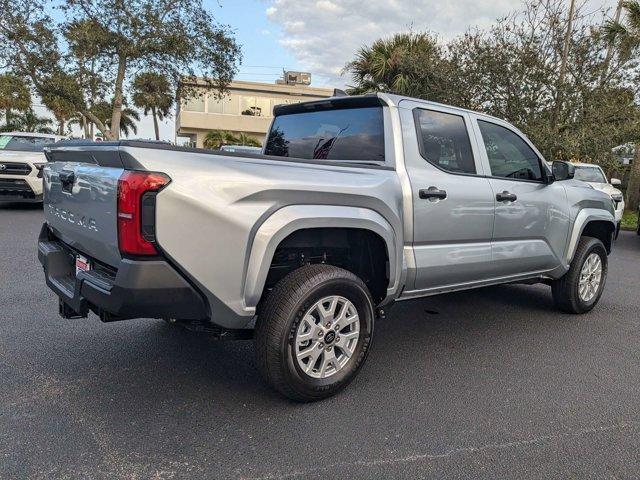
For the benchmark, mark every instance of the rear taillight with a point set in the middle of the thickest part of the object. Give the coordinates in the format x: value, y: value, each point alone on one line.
x: 136, y: 211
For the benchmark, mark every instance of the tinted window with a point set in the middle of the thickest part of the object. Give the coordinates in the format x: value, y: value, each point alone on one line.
x: 346, y: 134
x: 509, y: 155
x: 444, y: 141
x: 24, y: 144
x: 590, y: 174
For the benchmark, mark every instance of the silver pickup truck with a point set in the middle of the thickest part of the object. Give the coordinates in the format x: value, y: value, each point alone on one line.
x: 355, y: 203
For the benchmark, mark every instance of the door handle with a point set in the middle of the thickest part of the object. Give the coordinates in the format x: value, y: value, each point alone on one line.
x: 432, y: 192
x: 506, y: 197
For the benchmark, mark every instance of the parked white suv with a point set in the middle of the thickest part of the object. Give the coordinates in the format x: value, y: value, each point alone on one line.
x: 21, y: 163
x: 594, y: 176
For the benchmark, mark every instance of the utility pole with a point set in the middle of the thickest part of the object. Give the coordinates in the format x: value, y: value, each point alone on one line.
x: 610, y: 49
x: 563, y: 66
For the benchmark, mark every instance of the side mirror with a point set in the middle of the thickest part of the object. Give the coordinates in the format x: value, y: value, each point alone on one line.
x: 563, y: 170
x: 616, y: 181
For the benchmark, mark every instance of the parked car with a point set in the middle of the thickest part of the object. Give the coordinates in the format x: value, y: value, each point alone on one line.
x: 21, y: 163
x: 358, y: 202
x: 595, y: 176
x: 240, y: 149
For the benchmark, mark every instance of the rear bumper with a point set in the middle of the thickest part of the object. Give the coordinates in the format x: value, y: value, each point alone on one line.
x: 134, y: 289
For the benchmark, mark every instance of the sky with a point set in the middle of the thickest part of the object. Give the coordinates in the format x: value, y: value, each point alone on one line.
x: 321, y: 36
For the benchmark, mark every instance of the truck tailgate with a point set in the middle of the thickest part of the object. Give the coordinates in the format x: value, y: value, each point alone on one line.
x: 80, y: 206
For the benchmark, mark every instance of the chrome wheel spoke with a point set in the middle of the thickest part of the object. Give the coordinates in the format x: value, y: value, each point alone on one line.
x: 328, y: 361
x: 346, y: 347
x: 327, y: 313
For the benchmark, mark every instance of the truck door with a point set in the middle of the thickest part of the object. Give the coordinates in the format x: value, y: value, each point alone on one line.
x: 453, y: 205
x: 532, y: 216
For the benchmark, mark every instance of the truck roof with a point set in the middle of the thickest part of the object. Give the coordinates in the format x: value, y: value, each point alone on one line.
x: 368, y: 99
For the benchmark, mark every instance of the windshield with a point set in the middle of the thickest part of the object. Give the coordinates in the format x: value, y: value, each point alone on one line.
x: 355, y: 134
x: 590, y: 174
x: 24, y: 144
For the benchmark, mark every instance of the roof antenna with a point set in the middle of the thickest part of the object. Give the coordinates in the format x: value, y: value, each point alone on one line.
x: 339, y: 93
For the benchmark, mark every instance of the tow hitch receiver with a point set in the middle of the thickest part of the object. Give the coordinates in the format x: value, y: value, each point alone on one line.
x: 67, y: 312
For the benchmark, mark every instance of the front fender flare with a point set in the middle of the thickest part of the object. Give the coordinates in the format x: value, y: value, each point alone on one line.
x: 585, y: 216
x: 296, y: 217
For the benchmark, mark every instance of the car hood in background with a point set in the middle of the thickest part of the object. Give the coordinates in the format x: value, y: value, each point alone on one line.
x: 605, y: 187
x: 29, y: 157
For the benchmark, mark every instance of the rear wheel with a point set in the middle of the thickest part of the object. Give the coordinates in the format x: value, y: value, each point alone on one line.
x: 314, y: 332
x: 580, y: 288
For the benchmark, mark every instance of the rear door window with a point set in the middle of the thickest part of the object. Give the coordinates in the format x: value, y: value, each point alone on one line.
x: 444, y: 141
x: 352, y: 134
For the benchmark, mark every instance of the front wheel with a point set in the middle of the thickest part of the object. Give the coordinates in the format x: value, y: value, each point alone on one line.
x: 314, y: 332
x: 579, y: 290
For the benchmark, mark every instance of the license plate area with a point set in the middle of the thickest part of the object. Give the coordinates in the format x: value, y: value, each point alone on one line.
x: 83, y: 264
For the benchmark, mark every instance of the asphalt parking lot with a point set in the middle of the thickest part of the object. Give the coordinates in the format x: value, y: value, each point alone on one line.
x: 482, y: 384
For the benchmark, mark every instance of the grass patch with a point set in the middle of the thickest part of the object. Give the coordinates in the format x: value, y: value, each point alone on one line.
x: 629, y: 220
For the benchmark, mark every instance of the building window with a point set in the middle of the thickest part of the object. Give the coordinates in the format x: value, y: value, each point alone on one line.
x: 215, y: 104
x: 231, y: 105
x: 248, y: 106
x: 256, y: 106
x: 193, y: 104
x: 227, y: 105
x: 263, y: 105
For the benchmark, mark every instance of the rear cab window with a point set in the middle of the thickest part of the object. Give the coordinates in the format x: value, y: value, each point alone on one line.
x: 352, y: 134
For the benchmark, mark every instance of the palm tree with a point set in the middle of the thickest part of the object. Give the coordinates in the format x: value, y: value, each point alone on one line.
x: 78, y: 119
x: 407, y: 63
x: 217, y: 138
x: 29, y: 121
x: 244, y: 139
x: 152, y: 93
x: 625, y: 38
x: 14, y: 95
x: 103, y: 110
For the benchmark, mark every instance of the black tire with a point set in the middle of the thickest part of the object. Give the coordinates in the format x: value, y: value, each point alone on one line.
x: 278, y: 322
x: 565, y: 289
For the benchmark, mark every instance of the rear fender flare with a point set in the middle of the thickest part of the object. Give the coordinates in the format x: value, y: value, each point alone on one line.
x: 296, y: 217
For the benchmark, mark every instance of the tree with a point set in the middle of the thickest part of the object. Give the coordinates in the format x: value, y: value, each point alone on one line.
x: 91, y: 53
x: 63, y: 109
x: 625, y: 37
x: 102, y: 110
x: 14, y: 95
x: 29, y: 121
x: 217, y: 138
x: 562, y: 85
x: 596, y: 114
x: 244, y: 139
x: 408, y: 63
x: 152, y: 92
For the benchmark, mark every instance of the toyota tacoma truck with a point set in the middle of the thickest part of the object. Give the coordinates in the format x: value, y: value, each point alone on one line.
x: 355, y: 203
